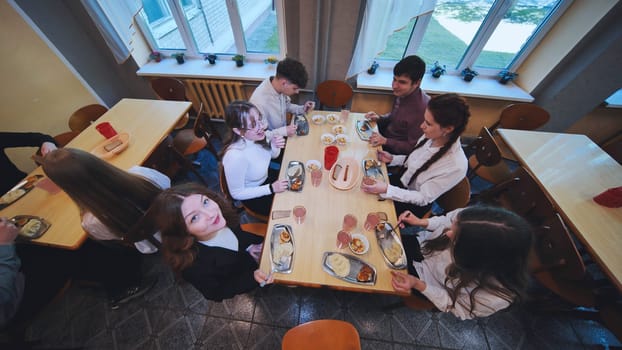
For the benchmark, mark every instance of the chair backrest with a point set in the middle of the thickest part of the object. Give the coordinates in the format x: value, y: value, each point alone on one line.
x: 522, y: 116
x: 486, y: 148
x: 556, y: 250
x: 457, y: 197
x: 169, y: 89
x: 64, y: 138
x: 224, y: 188
x: 214, y: 94
x: 322, y: 334
x: 334, y: 93
x: 83, y: 117
x: 522, y: 194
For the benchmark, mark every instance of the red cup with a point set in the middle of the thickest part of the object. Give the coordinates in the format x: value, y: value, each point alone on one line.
x: 331, y: 153
x: 106, y: 129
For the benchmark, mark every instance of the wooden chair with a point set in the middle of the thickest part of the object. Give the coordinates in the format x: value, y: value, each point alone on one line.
x: 487, y: 162
x: 322, y: 334
x: 203, y: 128
x: 85, y: 116
x: 521, y: 194
x: 256, y: 228
x: 168, y: 160
x: 171, y: 89
x: 64, y: 138
x: 519, y: 116
x: 457, y: 197
x: 224, y: 188
x: 189, y: 142
x: 334, y: 93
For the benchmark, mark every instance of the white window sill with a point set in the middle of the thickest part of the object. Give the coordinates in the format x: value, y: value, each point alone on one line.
x: 615, y: 100
x: 199, y: 69
x: 480, y: 86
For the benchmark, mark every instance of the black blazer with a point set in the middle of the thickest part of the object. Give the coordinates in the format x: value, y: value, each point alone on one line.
x: 220, y: 273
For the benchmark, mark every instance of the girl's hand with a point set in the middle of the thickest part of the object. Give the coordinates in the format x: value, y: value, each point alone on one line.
x: 255, y: 251
x: 278, y: 141
x: 378, y: 187
x: 291, y: 129
x: 262, y: 278
x: 279, y: 186
x: 409, y: 218
x: 309, y: 105
x: 377, y: 140
x: 373, y: 116
x: 402, y: 282
x: 384, y: 156
x: 47, y: 147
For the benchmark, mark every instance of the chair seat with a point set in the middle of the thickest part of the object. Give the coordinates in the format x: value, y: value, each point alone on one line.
x: 323, y: 335
x: 187, y: 143
x: 494, y: 174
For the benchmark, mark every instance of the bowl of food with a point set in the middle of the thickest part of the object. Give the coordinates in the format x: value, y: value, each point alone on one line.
x: 327, y: 139
x: 333, y: 118
x: 339, y: 129
x: 342, y: 139
x: 318, y: 119
x: 313, y: 164
x: 359, y: 244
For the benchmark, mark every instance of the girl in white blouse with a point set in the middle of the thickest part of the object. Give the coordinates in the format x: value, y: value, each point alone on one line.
x: 247, y: 155
x: 472, y: 262
x: 435, y: 165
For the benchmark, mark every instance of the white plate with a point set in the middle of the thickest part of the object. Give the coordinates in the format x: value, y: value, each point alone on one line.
x: 333, y: 118
x: 339, y: 129
x: 357, y: 237
x: 312, y: 163
x: 327, y: 139
x: 318, y: 119
x: 342, y: 139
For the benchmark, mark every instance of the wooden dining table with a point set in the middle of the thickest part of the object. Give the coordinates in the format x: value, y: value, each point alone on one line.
x: 572, y: 169
x: 146, y: 122
x: 326, y: 207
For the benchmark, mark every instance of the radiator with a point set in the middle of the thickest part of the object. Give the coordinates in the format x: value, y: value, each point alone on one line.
x: 214, y: 94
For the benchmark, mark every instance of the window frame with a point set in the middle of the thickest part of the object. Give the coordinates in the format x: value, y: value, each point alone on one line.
x: 191, y: 50
x: 498, y: 9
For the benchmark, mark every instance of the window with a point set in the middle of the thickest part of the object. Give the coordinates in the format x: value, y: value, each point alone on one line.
x: 249, y: 27
x: 486, y: 35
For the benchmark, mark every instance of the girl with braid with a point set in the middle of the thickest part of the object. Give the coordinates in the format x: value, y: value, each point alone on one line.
x: 437, y: 162
x: 472, y: 262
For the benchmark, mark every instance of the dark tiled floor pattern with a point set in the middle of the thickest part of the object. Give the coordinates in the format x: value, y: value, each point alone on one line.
x: 175, y: 316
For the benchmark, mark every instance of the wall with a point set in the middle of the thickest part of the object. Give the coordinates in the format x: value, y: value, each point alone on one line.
x: 40, y: 92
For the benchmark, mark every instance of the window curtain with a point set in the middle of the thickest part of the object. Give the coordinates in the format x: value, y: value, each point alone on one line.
x: 380, y: 20
x: 114, y: 19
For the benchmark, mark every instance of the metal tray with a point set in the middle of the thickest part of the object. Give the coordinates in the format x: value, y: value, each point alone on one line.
x: 302, y: 125
x: 295, y: 176
x: 387, y: 238
x: 355, y: 266
x: 364, y: 129
x: 19, y: 191
x: 372, y: 168
x: 282, y: 264
x: 22, y: 220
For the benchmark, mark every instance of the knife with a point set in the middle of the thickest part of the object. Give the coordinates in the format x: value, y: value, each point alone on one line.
x: 345, y: 176
x: 336, y: 171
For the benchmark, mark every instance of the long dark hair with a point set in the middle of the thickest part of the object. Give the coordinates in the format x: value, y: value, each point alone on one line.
x: 237, y: 115
x: 177, y: 243
x: 490, y: 250
x: 448, y: 110
x: 115, y: 197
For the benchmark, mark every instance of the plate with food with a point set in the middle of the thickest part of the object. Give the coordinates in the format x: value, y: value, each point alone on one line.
x: 313, y: 164
x: 112, y: 146
x: 295, y: 175
x: 390, y: 246
x: 302, y: 125
x: 282, y: 248
x: 373, y: 169
x: 333, y: 118
x: 342, y: 139
x: 364, y: 129
x: 29, y: 226
x: 339, y: 129
x: 327, y: 139
x: 345, y: 173
x: 359, y: 244
x: 318, y: 119
x: 19, y: 190
x: 349, y: 268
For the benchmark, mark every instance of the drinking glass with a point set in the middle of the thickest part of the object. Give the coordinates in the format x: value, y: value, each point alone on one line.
x: 349, y: 223
x: 106, y: 129
x: 371, y: 221
x: 316, y: 177
x: 343, y: 239
x: 331, y: 153
x: 300, y: 212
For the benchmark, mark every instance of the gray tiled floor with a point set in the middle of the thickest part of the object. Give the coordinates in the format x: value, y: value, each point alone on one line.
x: 175, y: 316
